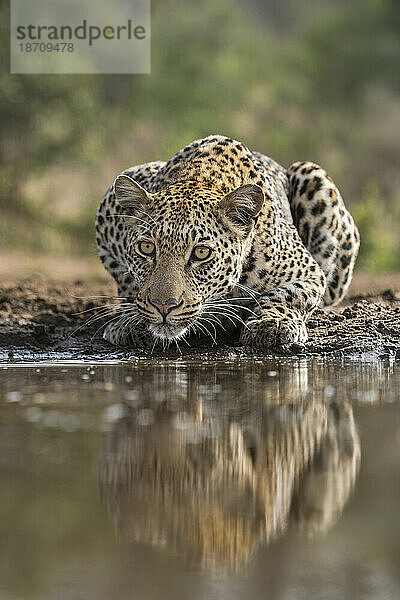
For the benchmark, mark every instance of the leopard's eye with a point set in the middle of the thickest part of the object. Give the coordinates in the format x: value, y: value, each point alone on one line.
x: 201, y: 253
x: 146, y: 248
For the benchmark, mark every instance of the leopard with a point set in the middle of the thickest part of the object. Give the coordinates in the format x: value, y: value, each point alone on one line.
x: 215, y: 481
x: 222, y: 238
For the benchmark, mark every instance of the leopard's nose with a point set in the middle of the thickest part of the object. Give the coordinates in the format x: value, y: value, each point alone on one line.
x: 164, y: 308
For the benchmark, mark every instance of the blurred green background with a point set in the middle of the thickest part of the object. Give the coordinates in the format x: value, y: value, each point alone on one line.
x: 312, y: 80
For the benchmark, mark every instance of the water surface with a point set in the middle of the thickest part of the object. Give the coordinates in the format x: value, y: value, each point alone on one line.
x: 255, y: 479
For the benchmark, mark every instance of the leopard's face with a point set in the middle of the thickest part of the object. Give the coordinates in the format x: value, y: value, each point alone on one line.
x: 185, y: 250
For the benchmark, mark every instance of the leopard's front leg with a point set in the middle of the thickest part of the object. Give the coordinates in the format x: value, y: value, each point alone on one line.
x: 281, y: 313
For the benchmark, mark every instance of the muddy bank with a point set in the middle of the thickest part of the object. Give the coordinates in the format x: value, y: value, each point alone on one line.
x: 43, y: 319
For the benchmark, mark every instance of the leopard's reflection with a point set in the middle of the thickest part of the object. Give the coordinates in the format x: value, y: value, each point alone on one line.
x: 215, y: 486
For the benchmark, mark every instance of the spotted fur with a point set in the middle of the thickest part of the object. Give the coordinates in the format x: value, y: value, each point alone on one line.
x: 281, y: 243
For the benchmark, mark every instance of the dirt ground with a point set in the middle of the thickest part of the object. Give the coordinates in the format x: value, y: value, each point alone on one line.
x: 43, y: 319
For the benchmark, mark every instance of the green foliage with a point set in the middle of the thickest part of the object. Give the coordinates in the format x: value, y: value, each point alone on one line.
x: 318, y: 82
x: 380, y: 248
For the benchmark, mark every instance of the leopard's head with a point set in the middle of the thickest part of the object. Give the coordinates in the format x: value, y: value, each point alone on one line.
x: 186, y: 248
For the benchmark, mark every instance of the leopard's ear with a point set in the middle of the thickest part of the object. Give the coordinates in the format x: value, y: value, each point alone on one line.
x: 242, y: 206
x: 130, y: 195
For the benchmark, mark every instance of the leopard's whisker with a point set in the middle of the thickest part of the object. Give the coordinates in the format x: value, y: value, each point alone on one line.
x: 229, y: 318
x: 125, y: 217
x: 149, y: 216
x: 133, y: 323
x: 103, y: 311
x: 129, y: 321
x: 216, y: 320
x: 245, y: 308
x: 81, y: 312
x: 214, y: 337
x: 228, y: 306
x: 122, y: 319
x: 177, y: 345
x: 183, y: 338
x: 246, y: 288
x: 103, y: 325
x: 202, y: 328
x: 92, y: 319
x: 96, y: 297
x: 221, y: 310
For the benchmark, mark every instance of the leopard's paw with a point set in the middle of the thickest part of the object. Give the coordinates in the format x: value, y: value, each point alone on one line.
x: 120, y: 335
x: 272, y: 332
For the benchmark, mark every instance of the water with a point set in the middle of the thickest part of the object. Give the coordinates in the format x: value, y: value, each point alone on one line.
x: 240, y: 480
